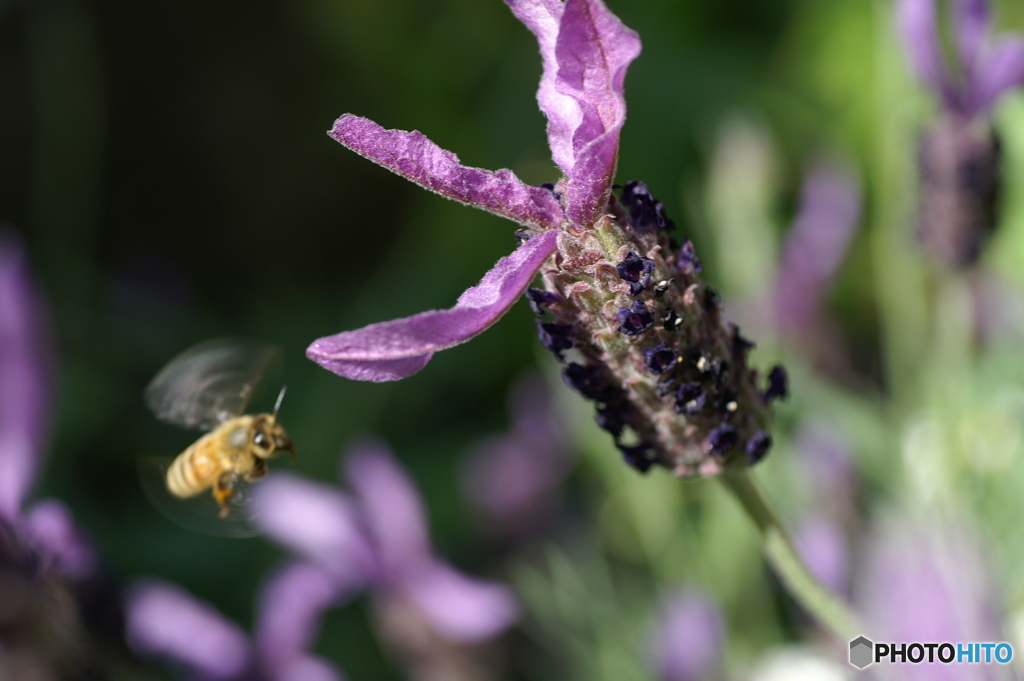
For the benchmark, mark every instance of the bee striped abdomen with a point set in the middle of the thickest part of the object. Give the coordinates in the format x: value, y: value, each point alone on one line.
x: 195, y: 469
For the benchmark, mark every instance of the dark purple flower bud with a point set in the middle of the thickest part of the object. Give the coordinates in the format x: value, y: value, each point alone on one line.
x: 636, y: 271
x: 588, y: 382
x: 660, y: 358
x: 691, y: 399
x: 645, y: 212
x: 666, y: 387
x: 662, y: 287
x: 722, y: 439
x: 778, y: 384
x: 555, y: 337
x: 712, y: 301
x: 740, y: 344
x: 638, y: 456
x: 687, y: 258
x: 523, y: 234
x: 670, y: 319
x: 709, y: 366
x: 611, y: 419
x: 634, y: 321
x: 757, y: 446
x: 538, y: 297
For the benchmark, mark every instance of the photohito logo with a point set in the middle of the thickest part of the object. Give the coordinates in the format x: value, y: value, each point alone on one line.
x: 864, y: 652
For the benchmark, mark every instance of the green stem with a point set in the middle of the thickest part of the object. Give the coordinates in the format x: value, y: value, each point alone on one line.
x: 828, y: 608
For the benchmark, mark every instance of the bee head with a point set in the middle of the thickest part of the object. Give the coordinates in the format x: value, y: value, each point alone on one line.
x: 268, y: 437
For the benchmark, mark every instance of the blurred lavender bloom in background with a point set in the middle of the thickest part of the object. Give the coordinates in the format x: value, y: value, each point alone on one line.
x: 926, y: 581
x: 25, y: 365
x: 690, y: 637
x: 39, y: 545
x: 816, y: 244
x: 512, y: 480
x: 959, y: 155
x: 377, y: 540
x: 163, y: 620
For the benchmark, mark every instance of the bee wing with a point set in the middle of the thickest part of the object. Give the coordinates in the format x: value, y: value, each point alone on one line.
x: 209, y: 383
x: 201, y: 512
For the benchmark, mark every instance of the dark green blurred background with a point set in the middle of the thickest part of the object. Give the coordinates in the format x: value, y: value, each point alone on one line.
x: 168, y: 166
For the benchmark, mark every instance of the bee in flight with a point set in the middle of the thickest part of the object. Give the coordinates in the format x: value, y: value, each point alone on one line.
x: 209, y: 387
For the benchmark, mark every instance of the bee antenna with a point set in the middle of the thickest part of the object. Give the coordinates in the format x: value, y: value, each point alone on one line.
x: 280, y: 397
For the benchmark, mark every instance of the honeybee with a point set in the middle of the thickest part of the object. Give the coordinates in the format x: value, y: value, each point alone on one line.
x: 209, y: 387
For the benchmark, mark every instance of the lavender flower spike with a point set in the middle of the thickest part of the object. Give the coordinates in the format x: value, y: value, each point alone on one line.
x: 959, y: 158
x: 624, y: 297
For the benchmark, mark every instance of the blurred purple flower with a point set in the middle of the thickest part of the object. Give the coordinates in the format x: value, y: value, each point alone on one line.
x: 959, y: 156
x: 24, y: 379
x: 512, y: 479
x: 378, y: 540
x: 816, y: 244
x: 928, y: 582
x: 982, y: 69
x: 586, y: 50
x: 164, y: 620
x: 46, y: 529
x: 689, y: 638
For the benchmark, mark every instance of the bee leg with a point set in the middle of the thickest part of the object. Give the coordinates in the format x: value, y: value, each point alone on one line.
x: 222, y: 491
x: 259, y: 469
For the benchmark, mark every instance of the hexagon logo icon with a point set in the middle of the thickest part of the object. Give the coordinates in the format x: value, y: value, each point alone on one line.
x: 861, y: 650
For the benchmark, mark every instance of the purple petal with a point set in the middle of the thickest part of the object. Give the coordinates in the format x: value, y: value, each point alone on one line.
x: 972, y: 26
x: 393, y: 350
x: 543, y: 18
x: 460, y: 608
x: 918, y: 24
x: 581, y: 93
x: 998, y: 71
x: 316, y: 521
x: 50, y: 527
x: 290, y: 605
x: 416, y: 158
x: 816, y: 243
x: 24, y: 373
x: 163, y: 619
x: 391, y: 508
x: 688, y: 643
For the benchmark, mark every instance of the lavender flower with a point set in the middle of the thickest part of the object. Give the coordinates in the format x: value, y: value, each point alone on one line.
x: 163, y: 620
x: 959, y: 157
x: 619, y: 285
x: 378, y: 541
x: 512, y: 479
x: 690, y: 637
x: 42, y: 553
x: 46, y: 529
